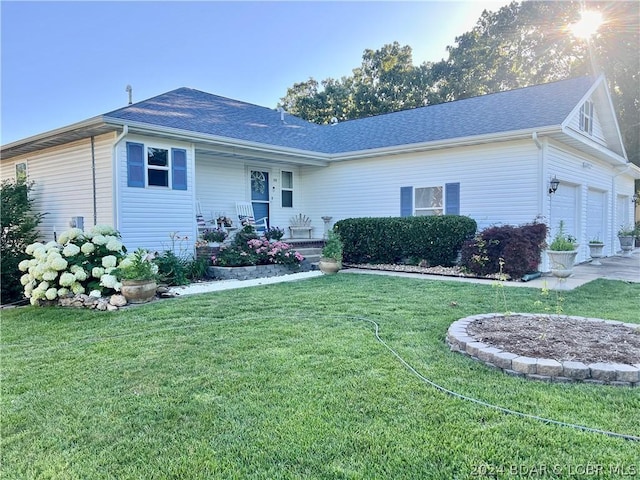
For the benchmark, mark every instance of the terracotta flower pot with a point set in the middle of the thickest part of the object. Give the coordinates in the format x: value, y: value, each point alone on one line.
x: 138, y: 291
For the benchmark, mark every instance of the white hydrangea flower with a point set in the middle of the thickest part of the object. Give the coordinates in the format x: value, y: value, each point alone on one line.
x: 63, y: 292
x: 77, y: 288
x: 25, y: 279
x: 39, y: 270
x: 51, y: 245
x: 43, y: 286
x: 73, y: 233
x: 58, y: 263
x: 40, y: 254
x: 81, y: 275
x: 114, y: 245
x: 97, y: 272
x: 63, y: 237
x: 109, y: 261
x: 49, y: 275
x: 67, y: 279
x: 95, y: 293
x: 31, y: 248
x: 103, y: 230
x: 99, y: 239
x: 126, y: 262
x: 108, y: 281
x: 118, y: 286
x: 87, y: 248
x: 51, y: 293
x: 33, y: 300
x: 70, y: 250
x: 23, y: 266
x: 28, y: 290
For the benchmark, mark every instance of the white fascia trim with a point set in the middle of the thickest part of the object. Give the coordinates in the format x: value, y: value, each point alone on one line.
x: 306, y: 156
x: 91, y: 122
x: 608, y: 155
x: 447, y: 143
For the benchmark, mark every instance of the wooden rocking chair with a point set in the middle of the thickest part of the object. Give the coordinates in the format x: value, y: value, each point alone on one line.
x: 246, y: 217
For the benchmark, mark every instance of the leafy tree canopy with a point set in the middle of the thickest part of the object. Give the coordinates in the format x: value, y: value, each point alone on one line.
x: 521, y: 44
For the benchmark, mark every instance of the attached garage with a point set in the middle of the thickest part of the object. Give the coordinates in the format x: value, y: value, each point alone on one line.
x: 596, y: 215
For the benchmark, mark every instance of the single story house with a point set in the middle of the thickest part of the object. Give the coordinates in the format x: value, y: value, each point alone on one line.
x: 148, y: 168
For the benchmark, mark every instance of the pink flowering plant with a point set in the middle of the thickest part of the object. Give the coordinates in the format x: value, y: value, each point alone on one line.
x: 249, y: 249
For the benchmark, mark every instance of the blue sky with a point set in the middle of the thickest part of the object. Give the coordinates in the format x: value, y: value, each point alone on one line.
x: 63, y: 62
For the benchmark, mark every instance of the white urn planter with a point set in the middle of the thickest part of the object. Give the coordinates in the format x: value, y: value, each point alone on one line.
x: 562, y: 262
x: 596, y: 253
x: 626, y: 244
x: 328, y: 266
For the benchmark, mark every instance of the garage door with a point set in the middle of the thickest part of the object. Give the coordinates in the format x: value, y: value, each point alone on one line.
x: 564, y: 207
x: 596, y: 215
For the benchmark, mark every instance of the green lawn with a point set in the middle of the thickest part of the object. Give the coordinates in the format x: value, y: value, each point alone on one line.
x: 288, y: 381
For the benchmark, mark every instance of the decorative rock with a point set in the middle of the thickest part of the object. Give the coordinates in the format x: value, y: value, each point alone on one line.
x: 102, y: 305
x: 111, y: 308
x: 117, y: 300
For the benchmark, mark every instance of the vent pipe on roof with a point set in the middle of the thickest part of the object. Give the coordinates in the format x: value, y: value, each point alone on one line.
x: 334, y: 120
x: 282, y: 112
x: 129, y: 90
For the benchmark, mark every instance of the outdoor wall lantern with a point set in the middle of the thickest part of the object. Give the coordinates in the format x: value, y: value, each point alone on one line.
x: 553, y: 185
x: 636, y: 198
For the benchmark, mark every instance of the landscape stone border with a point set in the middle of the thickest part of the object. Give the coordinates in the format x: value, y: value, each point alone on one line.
x: 545, y: 369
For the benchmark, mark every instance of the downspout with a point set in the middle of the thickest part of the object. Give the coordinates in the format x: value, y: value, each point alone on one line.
x: 541, y: 176
x: 116, y: 182
x: 93, y: 174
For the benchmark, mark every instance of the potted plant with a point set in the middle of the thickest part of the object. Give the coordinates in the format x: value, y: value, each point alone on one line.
x: 331, y: 259
x: 562, y: 253
x: 626, y: 236
x: 214, y: 235
x: 274, y: 233
x: 138, y: 275
x: 596, y: 246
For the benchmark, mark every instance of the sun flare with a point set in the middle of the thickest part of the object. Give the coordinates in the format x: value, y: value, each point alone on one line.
x: 588, y: 25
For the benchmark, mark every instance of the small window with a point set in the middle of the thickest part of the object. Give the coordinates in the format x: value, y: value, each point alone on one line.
x: 287, y: 189
x: 157, y: 167
x: 586, y: 117
x: 428, y: 201
x: 21, y: 172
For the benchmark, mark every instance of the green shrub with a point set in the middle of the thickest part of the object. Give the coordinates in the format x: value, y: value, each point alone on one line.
x: 515, y: 249
x: 435, y: 240
x: 172, y: 269
x: 19, y: 229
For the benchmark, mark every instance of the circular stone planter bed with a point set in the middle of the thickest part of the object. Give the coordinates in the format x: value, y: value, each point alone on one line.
x: 556, y: 348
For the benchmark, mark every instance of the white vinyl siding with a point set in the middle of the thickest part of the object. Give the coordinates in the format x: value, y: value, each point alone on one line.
x: 63, y: 184
x: 498, y: 184
x: 147, y: 217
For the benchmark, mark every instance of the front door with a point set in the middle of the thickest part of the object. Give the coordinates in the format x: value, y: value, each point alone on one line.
x: 260, y: 194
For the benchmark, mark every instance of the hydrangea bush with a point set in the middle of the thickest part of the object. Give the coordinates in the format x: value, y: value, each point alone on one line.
x: 79, y: 262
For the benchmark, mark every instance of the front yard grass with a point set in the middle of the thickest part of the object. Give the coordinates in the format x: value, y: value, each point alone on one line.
x: 287, y: 381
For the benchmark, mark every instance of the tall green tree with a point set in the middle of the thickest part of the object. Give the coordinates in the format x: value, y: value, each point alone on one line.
x: 521, y: 44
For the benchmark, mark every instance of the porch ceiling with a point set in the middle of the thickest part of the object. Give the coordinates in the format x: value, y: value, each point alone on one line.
x: 240, y: 154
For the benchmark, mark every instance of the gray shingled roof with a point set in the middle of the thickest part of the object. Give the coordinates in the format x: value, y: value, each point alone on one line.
x: 521, y: 109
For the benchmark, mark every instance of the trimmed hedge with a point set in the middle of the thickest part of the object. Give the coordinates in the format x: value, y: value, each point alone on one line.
x: 517, y: 248
x: 435, y: 240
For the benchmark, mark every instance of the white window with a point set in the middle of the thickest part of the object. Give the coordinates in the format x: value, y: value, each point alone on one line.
x: 157, y: 167
x: 428, y: 201
x: 287, y: 189
x: 586, y: 117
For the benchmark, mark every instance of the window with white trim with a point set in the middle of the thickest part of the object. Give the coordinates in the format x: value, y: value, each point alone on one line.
x: 428, y: 201
x: 287, y: 189
x: 156, y: 167
x: 586, y: 117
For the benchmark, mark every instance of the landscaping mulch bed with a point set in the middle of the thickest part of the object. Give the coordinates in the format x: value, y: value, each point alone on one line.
x: 560, y: 338
x: 438, y: 270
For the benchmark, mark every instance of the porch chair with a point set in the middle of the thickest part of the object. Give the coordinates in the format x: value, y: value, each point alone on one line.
x: 200, y: 221
x: 246, y: 217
